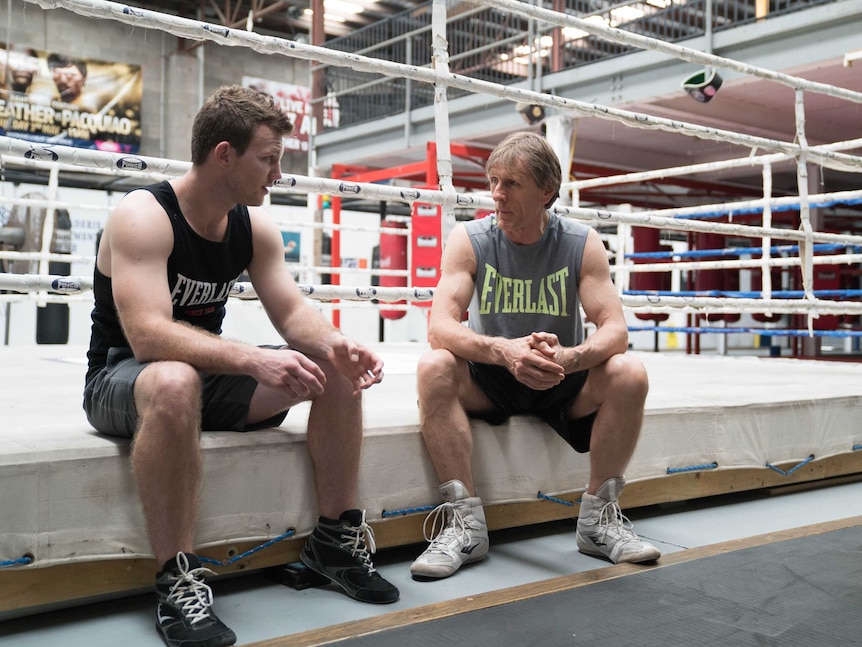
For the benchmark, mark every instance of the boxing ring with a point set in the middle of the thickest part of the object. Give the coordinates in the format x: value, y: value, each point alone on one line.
x: 713, y: 424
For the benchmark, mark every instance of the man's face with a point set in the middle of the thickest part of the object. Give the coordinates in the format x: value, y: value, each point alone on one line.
x: 69, y: 81
x: 518, y: 199
x: 253, y: 172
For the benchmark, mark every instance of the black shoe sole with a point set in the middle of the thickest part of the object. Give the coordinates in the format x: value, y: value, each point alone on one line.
x: 223, y: 640
x: 310, y: 563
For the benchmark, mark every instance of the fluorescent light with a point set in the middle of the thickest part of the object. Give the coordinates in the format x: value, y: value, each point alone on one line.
x: 343, y: 7
x: 572, y: 33
x: 625, y: 14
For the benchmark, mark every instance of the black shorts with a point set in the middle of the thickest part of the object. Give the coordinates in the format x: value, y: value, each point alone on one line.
x: 511, y: 398
x: 109, y: 398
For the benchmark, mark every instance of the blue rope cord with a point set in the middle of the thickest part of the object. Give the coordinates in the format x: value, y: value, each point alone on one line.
x: 763, y: 332
x: 251, y: 551
x: 29, y: 560
x: 547, y: 497
x: 792, y: 469
x: 775, y: 208
x: 741, y: 294
x: 692, y: 468
x: 737, y: 251
x: 21, y: 561
x: 406, y: 511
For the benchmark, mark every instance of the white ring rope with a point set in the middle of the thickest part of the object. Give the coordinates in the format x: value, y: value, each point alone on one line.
x: 34, y: 159
x: 240, y: 290
x: 71, y: 285
x: 441, y: 78
x: 302, y: 184
x: 742, y: 264
x: 202, y: 31
x: 693, y: 169
x: 132, y: 165
x: 645, y: 219
x: 746, y: 206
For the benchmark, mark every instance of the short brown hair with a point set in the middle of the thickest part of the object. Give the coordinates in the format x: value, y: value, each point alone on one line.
x: 535, y: 155
x: 233, y: 113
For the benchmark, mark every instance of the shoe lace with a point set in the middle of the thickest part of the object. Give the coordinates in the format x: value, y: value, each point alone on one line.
x: 360, y: 541
x: 190, y: 593
x: 452, y: 527
x: 611, y: 517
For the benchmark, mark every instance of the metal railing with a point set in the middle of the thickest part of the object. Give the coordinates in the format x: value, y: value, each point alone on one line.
x: 492, y: 45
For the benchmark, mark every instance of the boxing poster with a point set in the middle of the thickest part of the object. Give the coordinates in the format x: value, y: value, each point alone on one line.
x: 52, y: 98
x: 295, y: 102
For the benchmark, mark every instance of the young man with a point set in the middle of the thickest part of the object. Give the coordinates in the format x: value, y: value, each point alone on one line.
x: 524, y: 273
x: 160, y: 373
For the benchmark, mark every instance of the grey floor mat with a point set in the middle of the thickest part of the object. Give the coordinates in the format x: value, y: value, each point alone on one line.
x: 804, y: 592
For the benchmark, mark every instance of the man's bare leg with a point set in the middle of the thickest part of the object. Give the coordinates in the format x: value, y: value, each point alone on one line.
x: 335, y: 443
x: 166, y: 455
x: 618, y: 389
x: 442, y: 382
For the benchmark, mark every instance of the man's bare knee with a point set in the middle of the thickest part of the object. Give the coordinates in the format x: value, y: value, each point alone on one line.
x: 168, y: 389
x: 435, y: 365
x: 628, y: 372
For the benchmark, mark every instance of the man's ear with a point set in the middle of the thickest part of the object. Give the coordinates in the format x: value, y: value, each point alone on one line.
x: 222, y: 152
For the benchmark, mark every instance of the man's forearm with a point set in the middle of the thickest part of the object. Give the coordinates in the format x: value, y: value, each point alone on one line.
x: 308, y: 331
x: 467, y: 344
x: 594, y: 350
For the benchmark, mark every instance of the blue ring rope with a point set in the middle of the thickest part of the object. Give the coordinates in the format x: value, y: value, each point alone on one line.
x: 692, y: 468
x: 405, y: 511
x: 738, y: 251
x: 251, y: 551
x: 737, y: 294
x: 792, y: 469
x: 763, y: 332
x: 774, y: 209
x: 20, y: 561
x: 547, y: 497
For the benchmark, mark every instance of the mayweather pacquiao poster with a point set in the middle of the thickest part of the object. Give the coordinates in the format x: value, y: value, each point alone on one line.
x: 52, y: 98
x: 295, y: 102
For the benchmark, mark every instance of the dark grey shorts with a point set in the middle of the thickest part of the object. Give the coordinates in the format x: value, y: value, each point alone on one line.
x: 109, y: 398
x: 511, y: 398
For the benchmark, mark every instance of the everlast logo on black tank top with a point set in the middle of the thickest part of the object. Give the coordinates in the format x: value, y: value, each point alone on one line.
x: 188, y: 292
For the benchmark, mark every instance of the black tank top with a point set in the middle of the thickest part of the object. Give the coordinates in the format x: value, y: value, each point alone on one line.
x: 200, y: 275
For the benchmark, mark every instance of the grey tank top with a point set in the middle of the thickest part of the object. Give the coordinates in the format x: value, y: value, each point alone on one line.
x: 521, y: 289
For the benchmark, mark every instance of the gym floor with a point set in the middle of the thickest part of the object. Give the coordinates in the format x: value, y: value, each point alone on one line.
x: 259, y: 610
